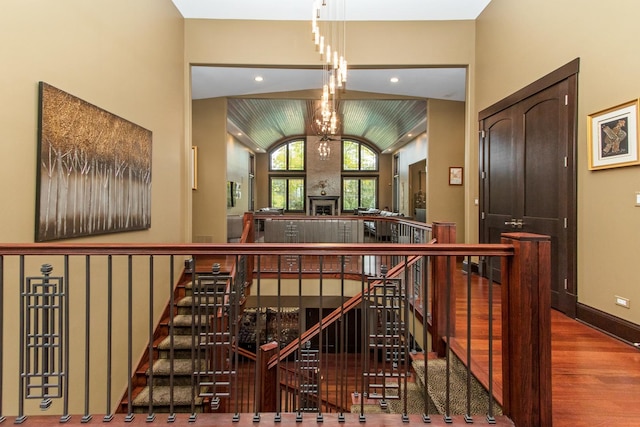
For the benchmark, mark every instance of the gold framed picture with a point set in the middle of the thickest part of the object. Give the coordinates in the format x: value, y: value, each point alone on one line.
x: 455, y: 175
x: 612, y: 135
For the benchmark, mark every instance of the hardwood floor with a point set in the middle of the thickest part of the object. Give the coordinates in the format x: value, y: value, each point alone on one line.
x: 595, y: 377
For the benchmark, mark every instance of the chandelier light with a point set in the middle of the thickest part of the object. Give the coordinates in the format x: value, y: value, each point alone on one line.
x: 328, y: 28
x: 323, y: 149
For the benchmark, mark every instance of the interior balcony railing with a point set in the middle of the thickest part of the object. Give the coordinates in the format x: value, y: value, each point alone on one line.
x: 186, y: 333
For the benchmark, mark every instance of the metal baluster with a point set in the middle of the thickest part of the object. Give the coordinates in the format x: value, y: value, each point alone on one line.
x: 109, y: 415
x: 130, y: 415
x: 150, y: 415
x: 2, y: 418
x: 425, y: 310
x: 278, y: 415
x: 467, y: 416
x: 319, y: 417
x: 172, y: 416
x: 298, y: 379
x: 256, y: 394
x: 364, y: 324
x: 405, y: 359
x: 237, y: 294
x: 21, y: 353
x: 194, y: 314
x: 343, y: 349
x: 447, y: 412
x: 64, y: 306
x: 490, y: 416
x: 87, y: 344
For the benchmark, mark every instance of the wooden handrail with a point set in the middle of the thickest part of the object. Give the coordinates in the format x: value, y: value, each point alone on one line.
x: 189, y: 249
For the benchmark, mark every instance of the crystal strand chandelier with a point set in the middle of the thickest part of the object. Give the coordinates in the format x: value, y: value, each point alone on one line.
x: 328, y: 32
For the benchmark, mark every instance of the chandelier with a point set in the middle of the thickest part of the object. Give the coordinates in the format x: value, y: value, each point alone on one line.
x: 328, y: 30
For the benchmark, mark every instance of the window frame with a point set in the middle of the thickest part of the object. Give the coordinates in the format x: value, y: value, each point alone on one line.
x: 288, y: 177
x: 287, y: 143
x: 359, y: 173
x: 361, y: 144
x: 289, y: 174
x: 359, y: 177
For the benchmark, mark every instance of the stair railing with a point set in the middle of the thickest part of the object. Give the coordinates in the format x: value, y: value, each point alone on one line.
x: 84, y: 280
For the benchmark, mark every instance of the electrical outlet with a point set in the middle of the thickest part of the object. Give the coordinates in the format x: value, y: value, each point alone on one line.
x: 622, y: 302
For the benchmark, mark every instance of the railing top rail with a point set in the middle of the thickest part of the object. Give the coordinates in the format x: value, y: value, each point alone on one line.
x: 190, y: 249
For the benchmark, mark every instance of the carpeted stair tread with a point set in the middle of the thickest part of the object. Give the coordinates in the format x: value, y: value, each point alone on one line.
x: 180, y: 367
x: 180, y: 342
x: 415, y: 402
x: 186, y: 320
x: 437, y: 387
x: 187, y: 300
x: 161, y: 395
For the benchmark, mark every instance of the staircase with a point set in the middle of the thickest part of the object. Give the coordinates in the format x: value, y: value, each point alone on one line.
x: 437, y: 387
x: 186, y: 362
x: 436, y: 392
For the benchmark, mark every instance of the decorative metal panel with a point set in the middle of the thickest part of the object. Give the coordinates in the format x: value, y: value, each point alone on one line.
x: 43, y: 302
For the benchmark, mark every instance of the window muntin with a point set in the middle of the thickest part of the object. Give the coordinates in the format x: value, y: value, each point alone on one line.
x: 287, y: 193
x: 357, y: 156
x: 359, y: 192
x: 290, y: 156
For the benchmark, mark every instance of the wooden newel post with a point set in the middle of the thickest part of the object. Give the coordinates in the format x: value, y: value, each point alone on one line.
x: 526, y: 330
x: 443, y: 312
x: 267, y: 378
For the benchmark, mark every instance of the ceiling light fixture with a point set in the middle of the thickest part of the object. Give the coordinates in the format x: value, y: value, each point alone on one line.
x: 394, y: 80
x: 328, y: 29
x: 258, y: 78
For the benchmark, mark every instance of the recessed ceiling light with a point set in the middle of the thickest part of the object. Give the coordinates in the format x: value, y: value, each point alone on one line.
x: 409, y: 135
x: 258, y: 78
x: 394, y: 80
x: 239, y: 134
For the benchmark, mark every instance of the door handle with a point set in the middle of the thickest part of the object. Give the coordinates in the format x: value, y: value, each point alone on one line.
x: 514, y: 223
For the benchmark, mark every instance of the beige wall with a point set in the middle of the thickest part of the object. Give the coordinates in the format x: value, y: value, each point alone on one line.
x: 521, y: 41
x: 445, y: 130
x: 209, y: 132
x: 122, y: 56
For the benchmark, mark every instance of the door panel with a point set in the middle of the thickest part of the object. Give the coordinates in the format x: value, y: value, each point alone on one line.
x: 545, y: 148
x: 499, y: 159
x: 541, y: 160
x: 526, y: 181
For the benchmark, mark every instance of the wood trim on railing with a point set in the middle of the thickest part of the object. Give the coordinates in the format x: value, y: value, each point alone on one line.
x: 443, y: 298
x: 189, y: 249
x: 267, y: 378
x: 526, y: 330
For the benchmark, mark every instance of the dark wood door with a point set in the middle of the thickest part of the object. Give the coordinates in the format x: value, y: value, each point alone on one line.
x: 528, y: 179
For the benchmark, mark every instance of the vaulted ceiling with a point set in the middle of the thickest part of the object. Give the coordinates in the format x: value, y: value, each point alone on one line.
x: 388, y: 114
x: 382, y: 122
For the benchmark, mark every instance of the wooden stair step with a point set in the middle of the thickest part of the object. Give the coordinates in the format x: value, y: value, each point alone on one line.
x: 182, y: 396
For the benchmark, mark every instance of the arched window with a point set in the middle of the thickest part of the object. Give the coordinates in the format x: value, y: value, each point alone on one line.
x: 288, y: 176
x: 359, y: 176
x: 288, y: 157
x: 357, y: 156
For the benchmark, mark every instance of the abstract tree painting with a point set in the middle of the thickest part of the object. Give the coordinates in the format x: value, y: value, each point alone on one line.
x: 94, y: 170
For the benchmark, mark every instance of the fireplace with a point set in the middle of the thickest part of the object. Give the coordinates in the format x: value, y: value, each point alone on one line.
x: 324, y: 205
